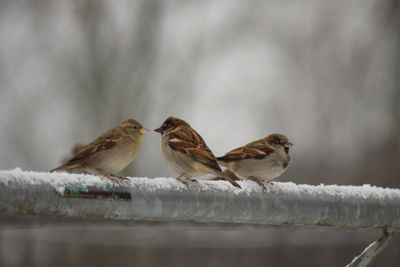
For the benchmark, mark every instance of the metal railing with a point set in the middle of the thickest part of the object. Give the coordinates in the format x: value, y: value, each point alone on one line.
x: 165, y: 199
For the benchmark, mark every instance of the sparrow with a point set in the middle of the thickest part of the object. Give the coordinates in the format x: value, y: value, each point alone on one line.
x: 259, y: 161
x: 109, y: 153
x: 186, y: 152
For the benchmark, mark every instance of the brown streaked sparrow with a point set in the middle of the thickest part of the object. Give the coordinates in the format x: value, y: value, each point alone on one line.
x: 261, y: 160
x: 186, y: 152
x: 109, y: 153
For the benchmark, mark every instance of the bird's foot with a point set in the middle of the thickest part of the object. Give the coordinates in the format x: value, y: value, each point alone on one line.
x: 256, y: 180
x: 120, y: 177
x: 180, y: 179
x: 109, y: 177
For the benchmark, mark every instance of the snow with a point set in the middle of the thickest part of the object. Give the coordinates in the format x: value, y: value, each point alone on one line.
x: 166, y: 199
x: 59, y: 180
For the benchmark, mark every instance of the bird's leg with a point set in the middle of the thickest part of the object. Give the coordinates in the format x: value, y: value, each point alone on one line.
x: 254, y: 179
x: 179, y: 178
x: 108, y: 176
x: 120, y: 177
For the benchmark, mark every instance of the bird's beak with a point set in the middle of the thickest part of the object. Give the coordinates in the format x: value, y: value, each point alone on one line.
x: 143, y: 130
x: 159, y: 130
x: 287, y: 145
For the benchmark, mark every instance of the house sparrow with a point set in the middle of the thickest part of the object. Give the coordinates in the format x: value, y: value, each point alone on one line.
x: 109, y: 153
x: 260, y: 161
x: 186, y: 152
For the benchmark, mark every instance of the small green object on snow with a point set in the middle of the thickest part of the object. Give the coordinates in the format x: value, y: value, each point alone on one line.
x: 82, y: 191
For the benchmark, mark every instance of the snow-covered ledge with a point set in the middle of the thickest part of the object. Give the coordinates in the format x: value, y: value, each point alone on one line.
x: 164, y: 199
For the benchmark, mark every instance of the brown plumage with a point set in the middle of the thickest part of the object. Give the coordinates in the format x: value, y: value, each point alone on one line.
x: 248, y: 152
x: 186, y: 152
x: 192, y: 144
x: 109, y: 153
x: 260, y: 160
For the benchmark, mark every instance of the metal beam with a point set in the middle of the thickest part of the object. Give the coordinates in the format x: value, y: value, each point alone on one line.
x: 165, y: 199
x: 372, y: 251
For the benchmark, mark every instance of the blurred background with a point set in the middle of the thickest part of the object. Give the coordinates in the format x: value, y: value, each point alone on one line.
x: 324, y: 73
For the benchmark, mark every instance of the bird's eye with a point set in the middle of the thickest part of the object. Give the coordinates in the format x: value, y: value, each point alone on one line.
x: 277, y: 142
x: 136, y: 127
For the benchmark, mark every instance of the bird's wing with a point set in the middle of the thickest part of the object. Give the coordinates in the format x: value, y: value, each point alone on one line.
x: 254, y: 150
x: 105, y: 141
x: 189, y: 142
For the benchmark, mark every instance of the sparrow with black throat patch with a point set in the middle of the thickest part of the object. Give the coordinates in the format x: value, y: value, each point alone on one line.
x: 186, y: 152
x: 109, y: 153
x: 259, y: 161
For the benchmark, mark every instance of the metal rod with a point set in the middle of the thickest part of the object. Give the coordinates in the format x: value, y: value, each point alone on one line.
x: 165, y: 199
x: 370, y: 253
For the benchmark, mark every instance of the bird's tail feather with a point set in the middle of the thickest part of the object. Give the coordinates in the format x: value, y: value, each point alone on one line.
x: 229, y: 176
